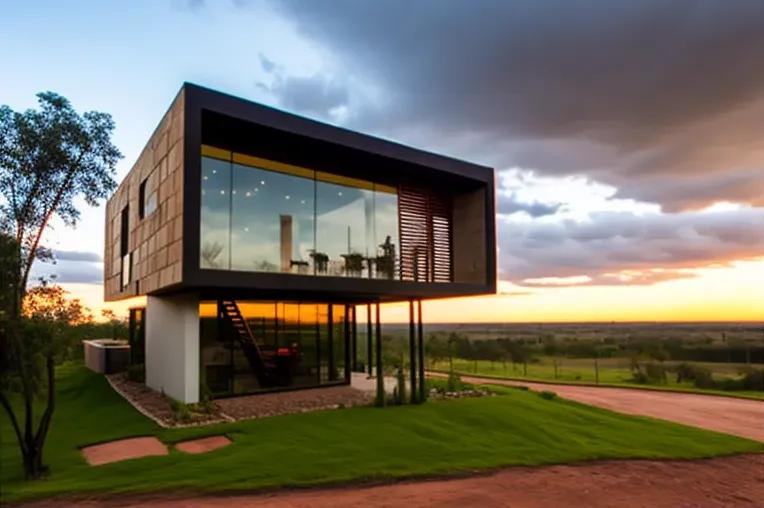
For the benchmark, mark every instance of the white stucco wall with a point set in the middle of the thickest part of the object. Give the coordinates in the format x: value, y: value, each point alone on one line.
x: 172, y: 346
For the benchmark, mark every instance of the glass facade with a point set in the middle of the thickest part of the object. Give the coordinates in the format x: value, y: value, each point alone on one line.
x: 265, y: 216
x: 280, y: 345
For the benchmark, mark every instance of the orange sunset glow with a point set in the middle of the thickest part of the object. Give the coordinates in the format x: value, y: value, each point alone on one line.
x: 721, y: 294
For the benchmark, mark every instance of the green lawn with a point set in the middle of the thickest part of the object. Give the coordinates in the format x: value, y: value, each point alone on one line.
x: 612, y: 372
x: 342, y: 445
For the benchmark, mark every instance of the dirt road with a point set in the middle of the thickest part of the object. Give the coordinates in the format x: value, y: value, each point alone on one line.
x: 733, y: 482
x: 740, y: 417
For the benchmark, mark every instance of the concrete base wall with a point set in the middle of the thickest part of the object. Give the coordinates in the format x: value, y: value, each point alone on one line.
x: 172, y: 346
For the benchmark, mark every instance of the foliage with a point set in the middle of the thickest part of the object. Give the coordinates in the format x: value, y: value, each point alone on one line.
x: 454, y: 382
x: 481, y: 433
x: 444, y: 385
x: 118, y: 325
x: 547, y: 395
x: 49, y: 158
x: 648, y: 373
x: 400, y: 389
x: 49, y: 317
x: 136, y: 373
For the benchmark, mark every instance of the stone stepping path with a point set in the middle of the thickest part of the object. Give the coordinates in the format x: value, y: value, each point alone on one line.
x: 123, y: 449
x: 137, y: 447
x: 203, y: 445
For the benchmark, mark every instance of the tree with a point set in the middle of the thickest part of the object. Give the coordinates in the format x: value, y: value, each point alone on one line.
x: 118, y: 325
x: 49, y: 158
x: 48, y: 334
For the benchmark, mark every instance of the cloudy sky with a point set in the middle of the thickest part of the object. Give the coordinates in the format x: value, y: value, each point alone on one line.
x: 627, y: 135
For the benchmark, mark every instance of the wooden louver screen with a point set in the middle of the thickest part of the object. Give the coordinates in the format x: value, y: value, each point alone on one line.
x: 425, y: 231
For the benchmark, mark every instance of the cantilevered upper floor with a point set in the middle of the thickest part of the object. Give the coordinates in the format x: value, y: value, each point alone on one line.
x: 230, y: 197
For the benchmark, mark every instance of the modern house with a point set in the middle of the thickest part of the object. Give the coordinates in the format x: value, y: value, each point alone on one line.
x: 256, y: 236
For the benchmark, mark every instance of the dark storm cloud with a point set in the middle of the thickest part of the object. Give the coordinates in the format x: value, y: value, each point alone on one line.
x: 663, y: 99
x: 71, y: 272
x: 316, y: 95
x: 507, y: 204
x: 68, y: 255
x: 651, y: 248
x: 73, y: 267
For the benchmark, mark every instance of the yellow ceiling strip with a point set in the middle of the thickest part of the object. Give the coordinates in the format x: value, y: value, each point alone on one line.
x: 217, y: 153
x: 257, y: 162
x: 321, y: 176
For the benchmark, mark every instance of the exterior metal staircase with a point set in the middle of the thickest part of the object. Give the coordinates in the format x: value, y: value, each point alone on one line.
x: 263, y: 367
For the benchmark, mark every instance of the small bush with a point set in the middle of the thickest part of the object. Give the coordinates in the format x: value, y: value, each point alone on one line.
x: 205, y: 394
x: 137, y: 373
x: 753, y: 379
x: 454, y: 383
x: 400, y: 391
x: 547, y: 395
x: 649, y: 373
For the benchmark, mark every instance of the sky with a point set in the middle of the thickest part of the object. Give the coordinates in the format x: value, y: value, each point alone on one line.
x: 626, y: 135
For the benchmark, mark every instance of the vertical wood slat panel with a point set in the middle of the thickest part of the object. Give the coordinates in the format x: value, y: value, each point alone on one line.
x: 425, y: 228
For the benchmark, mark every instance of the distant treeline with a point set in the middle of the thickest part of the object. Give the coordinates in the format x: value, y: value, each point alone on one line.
x: 440, y: 346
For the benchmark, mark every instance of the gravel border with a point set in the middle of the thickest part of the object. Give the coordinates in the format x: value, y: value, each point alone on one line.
x: 159, y: 421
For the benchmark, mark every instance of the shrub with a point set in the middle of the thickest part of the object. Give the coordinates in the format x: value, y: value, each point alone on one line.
x: 648, y: 373
x: 547, y: 395
x: 753, y: 379
x: 205, y: 394
x: 454, y: 382
x: 137, y: 373
x: 443, y: 385
x: 656, y: 373
x: 400, y: 390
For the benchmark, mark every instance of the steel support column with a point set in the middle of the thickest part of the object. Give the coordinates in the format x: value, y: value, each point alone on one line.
x: 347, y: 339
x: 354, y: 331
x: 369, y: 347
x: 420, y: 337
x: 412, y: 352
x: 381, y: 395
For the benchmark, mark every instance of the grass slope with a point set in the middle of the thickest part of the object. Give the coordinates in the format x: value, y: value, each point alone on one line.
x: 581, y: 371
x: 519, y: 428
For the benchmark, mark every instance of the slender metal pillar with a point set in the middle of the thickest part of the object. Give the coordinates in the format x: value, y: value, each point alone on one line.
x: 381, y: 396
x: 412, y: 353
x: 354, y: 335
x: 420, y: 337
x: 346, y: 341
x: 369, y: 347
x: 330, y: 344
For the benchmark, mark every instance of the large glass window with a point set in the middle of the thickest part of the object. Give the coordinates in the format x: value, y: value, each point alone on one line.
x: 283, y: 345
x: 386, y: 232
x: 271, y: 220
x: 269, y: 217
x: 215, y: 248
x: 344, y: 226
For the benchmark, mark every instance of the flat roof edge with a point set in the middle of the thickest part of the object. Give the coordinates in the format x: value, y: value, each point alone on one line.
x: 269, y: 116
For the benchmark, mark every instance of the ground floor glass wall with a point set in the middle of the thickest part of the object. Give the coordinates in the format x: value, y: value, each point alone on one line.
x: 250, y: 347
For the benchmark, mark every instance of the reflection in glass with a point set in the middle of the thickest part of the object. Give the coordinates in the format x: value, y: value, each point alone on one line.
x: 303, y: 345
x: 216, y: 214
x: 272, y: 221
x: 386, y: 226
x: 343, y: 217
x: 295, y: 220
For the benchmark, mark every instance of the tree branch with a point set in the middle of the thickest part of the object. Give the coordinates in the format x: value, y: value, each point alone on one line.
x: 42, y: 429
x: 31, y: 255
x: 12, y: 415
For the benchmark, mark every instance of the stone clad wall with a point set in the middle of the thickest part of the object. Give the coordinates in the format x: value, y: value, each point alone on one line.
x: 470, y: 237
x: 155, y: 241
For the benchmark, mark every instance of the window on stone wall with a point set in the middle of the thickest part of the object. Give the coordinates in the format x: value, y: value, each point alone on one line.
x: 147, y: 196
x: 125, y: 257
